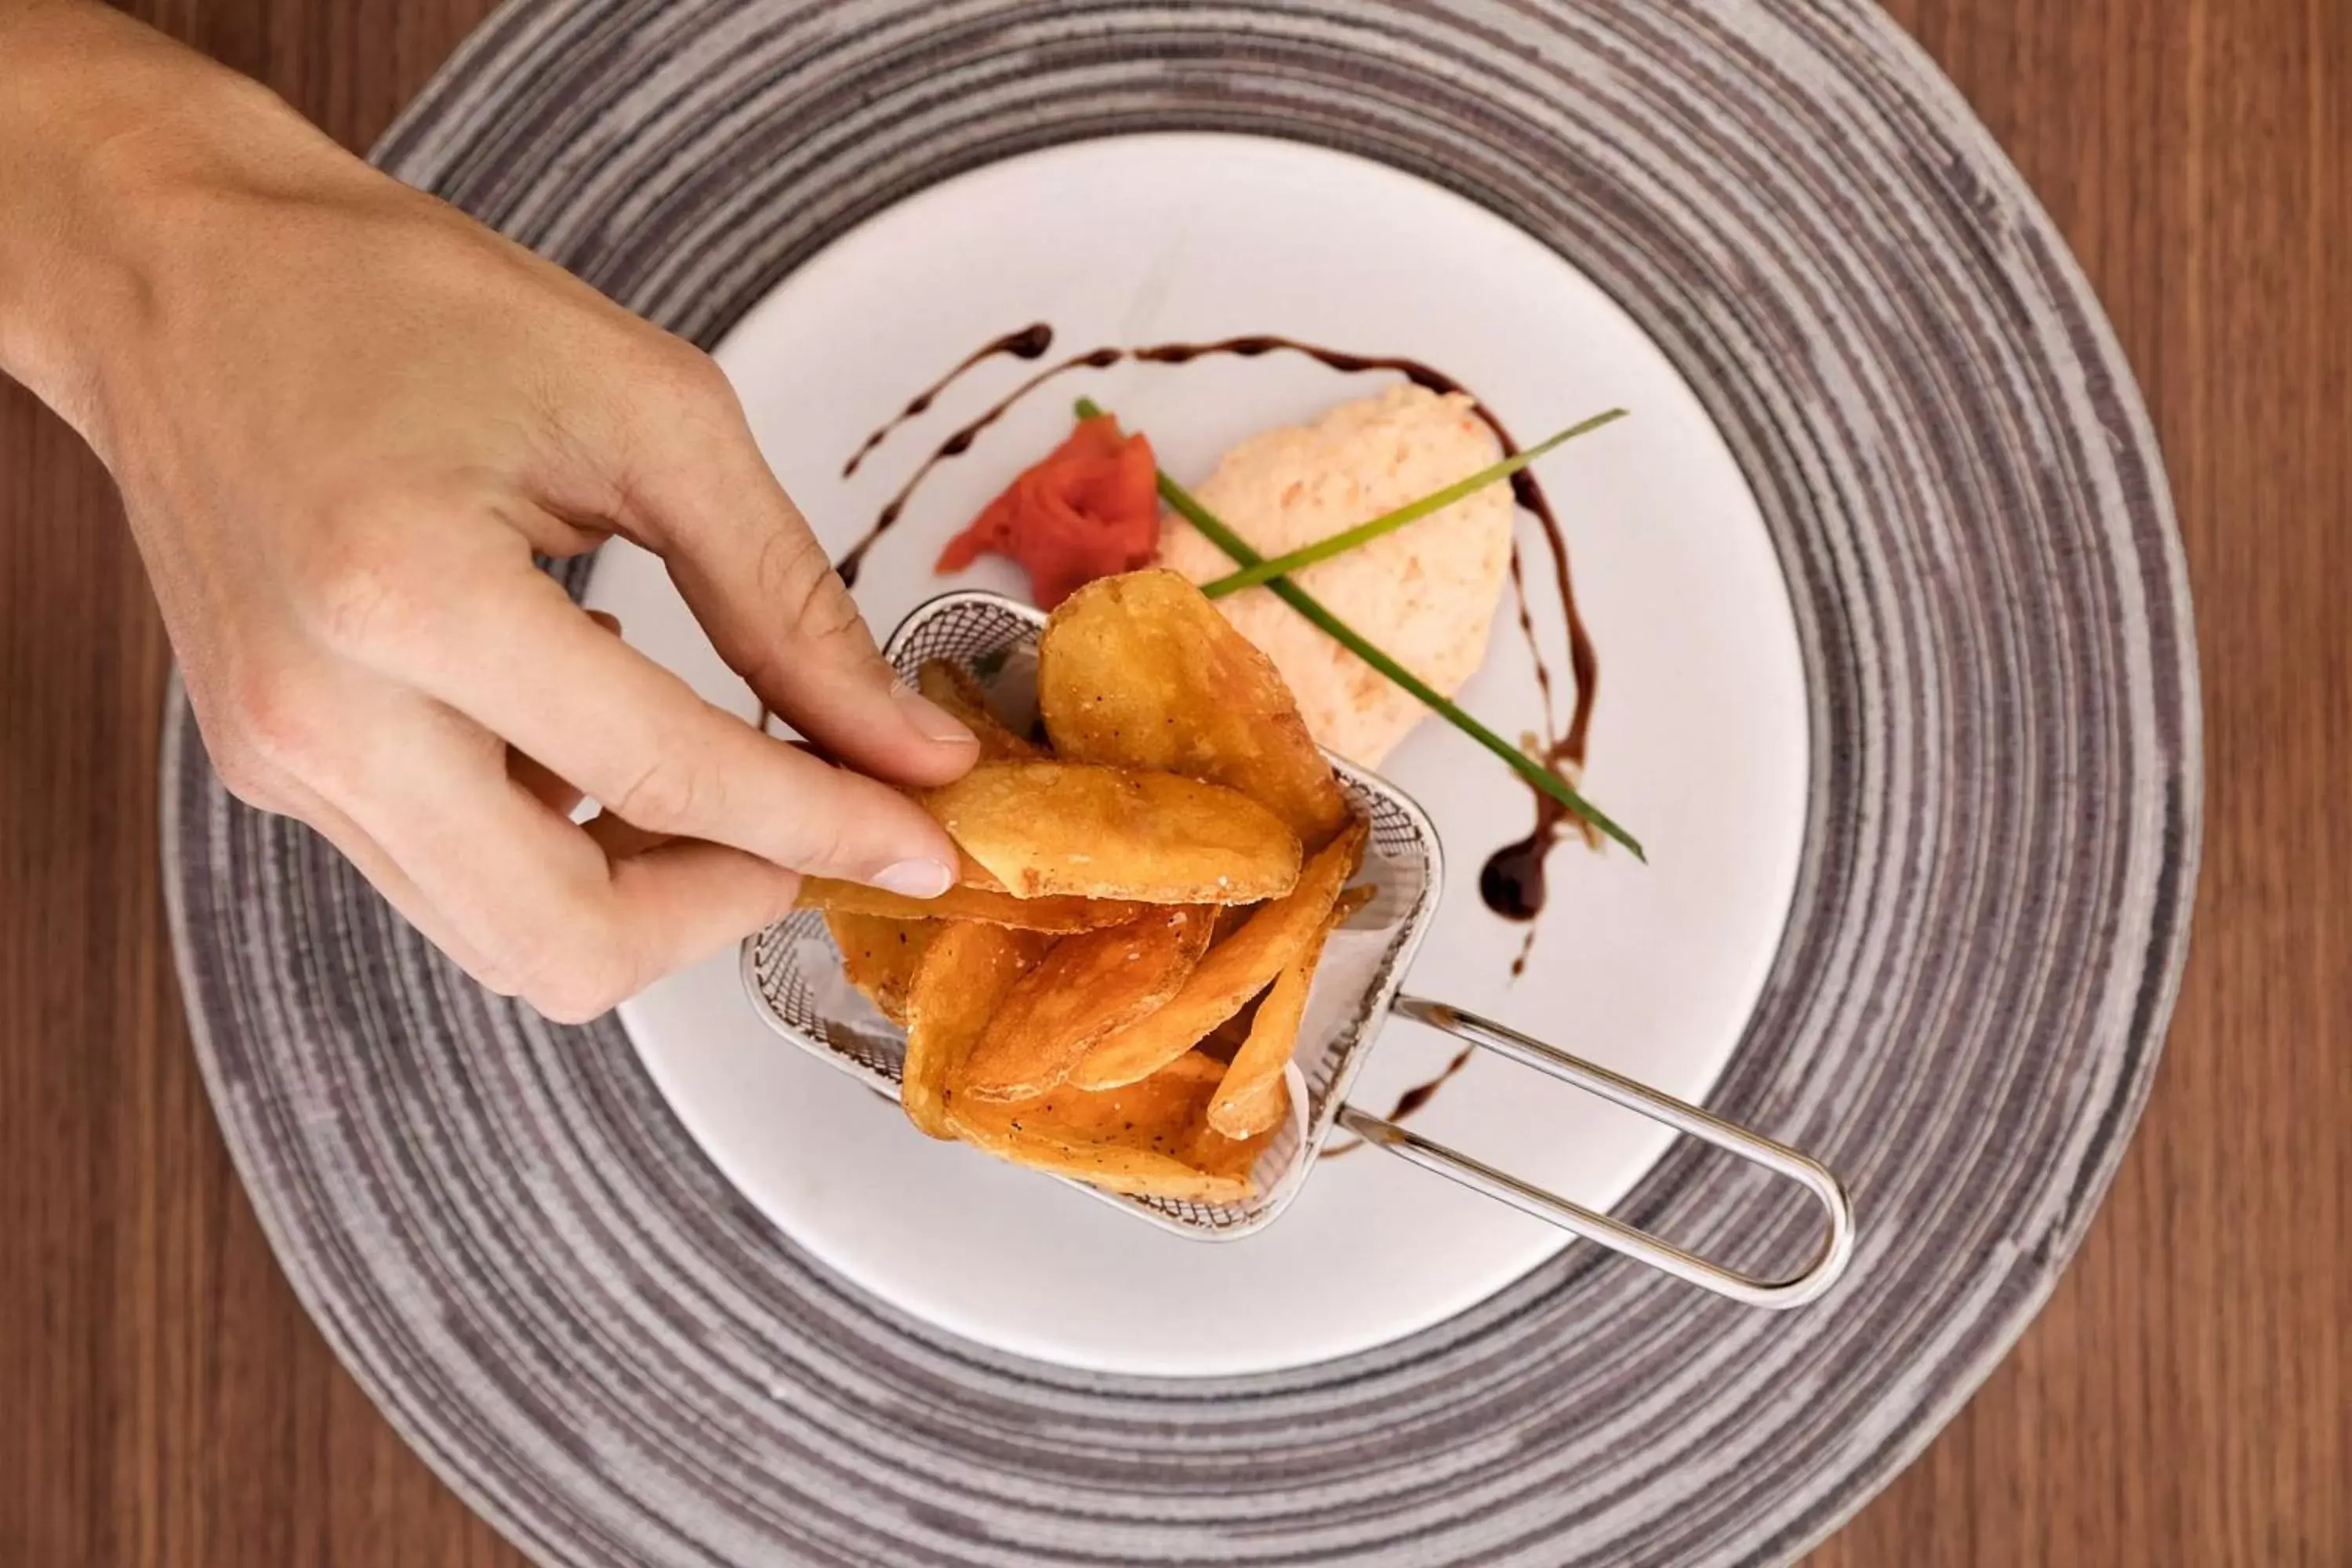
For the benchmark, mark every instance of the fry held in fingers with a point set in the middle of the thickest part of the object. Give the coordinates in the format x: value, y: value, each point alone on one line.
x: 1057, y: 916
x: 1054, y: 827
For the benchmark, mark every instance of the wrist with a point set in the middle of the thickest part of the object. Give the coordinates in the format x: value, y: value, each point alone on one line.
x: 116, y: 139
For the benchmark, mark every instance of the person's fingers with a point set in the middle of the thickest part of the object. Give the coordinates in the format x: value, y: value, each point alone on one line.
x: 561, y: 795
x: 541, y: 781
x: 619, y: 837
x: 401, y: 892
x: 688, y: 899
x: 507, y: 648
x: 702, y: 497
x: 533, y: 899
x: 261, y: 779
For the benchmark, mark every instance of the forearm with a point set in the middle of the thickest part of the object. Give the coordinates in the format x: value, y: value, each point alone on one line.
x: 107, y: 129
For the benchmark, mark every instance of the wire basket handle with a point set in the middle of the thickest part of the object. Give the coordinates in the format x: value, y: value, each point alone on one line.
x: 1837, y: 1247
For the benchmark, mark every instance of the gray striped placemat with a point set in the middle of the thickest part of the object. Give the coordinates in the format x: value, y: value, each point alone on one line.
x: 506, y: 1234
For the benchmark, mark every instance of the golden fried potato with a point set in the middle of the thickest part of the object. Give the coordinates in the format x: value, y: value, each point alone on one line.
x: 1088, y: 986
x: 1148, y: 1138
x: 1234, y: 971
x: 965, y: 972
x: 1141, y: 671
x: 1219, y: 1156
x: 1051, y: 828
x: 1058, y: 916
x: 1225, y: 1041
x: 1256, y: 1092
x: 878, y: 954
x: 955, y: 689
x: 971, y: 873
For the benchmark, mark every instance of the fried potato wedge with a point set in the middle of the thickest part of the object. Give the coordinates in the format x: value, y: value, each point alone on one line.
x: 1054, y: 828
x: 1234, y: 971
x: 971, y: 873
x: 1141, y: 671
x: 1225, y: 1041
x: 1219, y: 1156
x: 955, y: 689
x: 1090, y: 985
x: 1255, y: 1093
x: 966, y: 970
x: 878, y: 954
x: 1148, y: 1138
x: 1059, y: 917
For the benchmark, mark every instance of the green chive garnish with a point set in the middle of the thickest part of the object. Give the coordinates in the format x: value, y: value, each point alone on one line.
x: 1390, y: 521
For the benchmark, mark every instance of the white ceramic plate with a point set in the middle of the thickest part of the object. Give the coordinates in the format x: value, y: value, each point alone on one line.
x: 1698, y: 739
x: 588, y: 1328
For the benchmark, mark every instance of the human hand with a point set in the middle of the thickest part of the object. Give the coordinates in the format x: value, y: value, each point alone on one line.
x: 344, y: 416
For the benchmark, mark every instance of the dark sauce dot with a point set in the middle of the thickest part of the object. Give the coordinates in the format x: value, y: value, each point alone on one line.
x: 1512, y: 881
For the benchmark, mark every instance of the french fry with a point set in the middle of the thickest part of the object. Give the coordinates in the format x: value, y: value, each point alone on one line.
x: 878, y: 954
x: 1059, y: 917
x: 1088, y: 986
x: 1234, y: 971
x: 1147, y: 1139
x: 1256, y: 1091
x: 1054, y: 828
x: 1219, y: 1156
x: 971, y: 873
x: 1141, y: 671
x: 1225, y: 1041
x: 953, y: 687
x: 963, y: 977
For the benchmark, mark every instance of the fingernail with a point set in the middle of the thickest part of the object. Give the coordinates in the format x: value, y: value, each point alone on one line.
x: 916, y: 879
x: 931, y: 721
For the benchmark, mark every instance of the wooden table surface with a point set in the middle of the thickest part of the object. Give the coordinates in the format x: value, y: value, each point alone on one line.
x: 2185, y: 1398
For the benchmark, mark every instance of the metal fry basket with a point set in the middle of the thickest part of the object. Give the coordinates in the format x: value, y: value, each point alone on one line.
x: 793, y: 974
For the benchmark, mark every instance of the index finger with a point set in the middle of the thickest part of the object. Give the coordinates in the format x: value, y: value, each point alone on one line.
x: 509, y: 651
x: 747, y: 563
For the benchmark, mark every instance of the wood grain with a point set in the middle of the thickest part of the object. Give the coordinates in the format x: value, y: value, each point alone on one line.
x: 2187, y: 1395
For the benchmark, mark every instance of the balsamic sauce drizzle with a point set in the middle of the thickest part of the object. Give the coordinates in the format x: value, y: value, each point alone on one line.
x: 1411, y: 1099
x: 959, y: 442
x: 1030, y: 342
